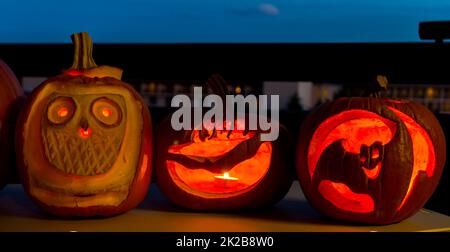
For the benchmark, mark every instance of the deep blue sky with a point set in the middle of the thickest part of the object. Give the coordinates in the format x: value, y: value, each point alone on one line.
x: 147, y: 21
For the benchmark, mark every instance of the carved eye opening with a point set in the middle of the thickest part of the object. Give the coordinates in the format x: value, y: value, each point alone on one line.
x: 107, y: 112
x: 60, y: 110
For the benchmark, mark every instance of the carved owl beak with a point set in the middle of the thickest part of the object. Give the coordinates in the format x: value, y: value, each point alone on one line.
x: 84, y: 130
x: 85, y: 133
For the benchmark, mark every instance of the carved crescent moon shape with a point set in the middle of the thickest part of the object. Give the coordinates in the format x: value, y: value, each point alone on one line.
x: 357, y: 127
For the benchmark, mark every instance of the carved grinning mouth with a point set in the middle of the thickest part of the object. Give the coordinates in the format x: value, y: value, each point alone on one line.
x: 216, y: 155
x: 371, y: 158
x: 195, y: 165
x: 249, y: 171
x: 372, y: 173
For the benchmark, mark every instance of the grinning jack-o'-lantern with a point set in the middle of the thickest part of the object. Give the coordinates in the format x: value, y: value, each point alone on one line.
x: 11, y: 94
x: 84, y: 141
x: 370, y: 160
x: 219, y: 170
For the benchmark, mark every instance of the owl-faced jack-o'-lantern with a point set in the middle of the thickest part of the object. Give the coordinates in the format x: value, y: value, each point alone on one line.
x: 11, y: 94
x: 84, y: 141
x: 218, y: 170
x: 370, y: 160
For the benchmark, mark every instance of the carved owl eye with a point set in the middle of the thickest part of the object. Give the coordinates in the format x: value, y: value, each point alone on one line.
x: 61, y: 110
x: 107, y: 112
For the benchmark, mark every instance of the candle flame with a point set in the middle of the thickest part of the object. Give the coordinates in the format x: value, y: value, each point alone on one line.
x: 226, y: 176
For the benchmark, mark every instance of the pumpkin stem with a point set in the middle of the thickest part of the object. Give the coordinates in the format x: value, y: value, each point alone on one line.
x: 82, y: 57
x: 379, y: 87
x: 217, y: 85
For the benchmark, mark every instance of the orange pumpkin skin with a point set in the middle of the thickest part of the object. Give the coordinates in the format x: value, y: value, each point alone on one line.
x: 370, y: 160
x: 32, y: 178
x: 11, y: 94
x: 187, y: 183
x: 84, y: 145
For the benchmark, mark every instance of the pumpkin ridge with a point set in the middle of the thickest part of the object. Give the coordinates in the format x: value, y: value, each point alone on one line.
x: 399, y: 158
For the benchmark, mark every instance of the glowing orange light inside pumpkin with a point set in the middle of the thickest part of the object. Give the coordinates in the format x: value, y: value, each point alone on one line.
x: 85, y: 133
x: 106, y: 112
x: 63, y: 112
x: 73, y: 72
x: 375, y: 153
x: 343, y: 197
x: 355, y: 128
x: 423, y: 150
x: 373, y: 173
x: 210, y: 148
x: 240, y: 177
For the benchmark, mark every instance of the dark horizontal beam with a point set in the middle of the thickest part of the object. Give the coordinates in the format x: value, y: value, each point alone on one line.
x: 339, y: 63
x: 435, y: 30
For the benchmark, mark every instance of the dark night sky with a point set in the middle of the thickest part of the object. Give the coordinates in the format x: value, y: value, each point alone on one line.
x: 147, y: 21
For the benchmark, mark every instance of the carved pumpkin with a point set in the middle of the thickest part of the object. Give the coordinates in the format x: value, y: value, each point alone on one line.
x: 84, y: 141
x: 11, y: 94
x: 218, y: 170
x: 370, y: 160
